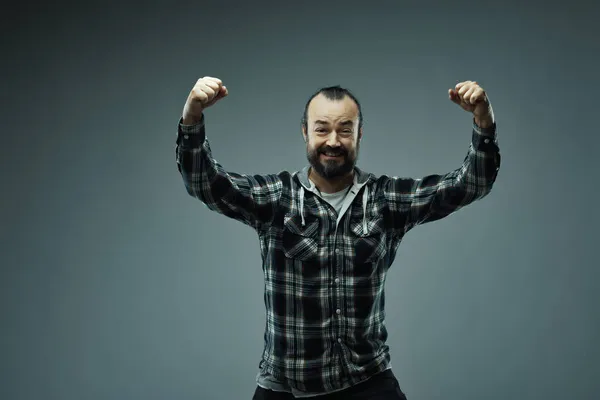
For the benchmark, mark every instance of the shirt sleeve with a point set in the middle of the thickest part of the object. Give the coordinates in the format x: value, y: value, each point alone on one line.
x: 251, y: 199
x: 418, y: 201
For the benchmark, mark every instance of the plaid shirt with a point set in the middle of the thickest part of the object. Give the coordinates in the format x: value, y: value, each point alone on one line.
x: 325, y: 273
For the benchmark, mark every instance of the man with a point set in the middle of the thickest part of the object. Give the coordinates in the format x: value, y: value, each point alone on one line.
x: 328, y: 235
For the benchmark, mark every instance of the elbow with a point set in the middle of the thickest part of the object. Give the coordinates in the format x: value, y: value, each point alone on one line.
x: 470, y: 191
x: 482, y: 190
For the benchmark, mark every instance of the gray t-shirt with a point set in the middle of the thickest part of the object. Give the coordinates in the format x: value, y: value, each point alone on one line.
x: 335, y: 199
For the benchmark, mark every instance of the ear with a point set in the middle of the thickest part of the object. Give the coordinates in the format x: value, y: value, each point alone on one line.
x: 304, y: 133
x: 360, y: 134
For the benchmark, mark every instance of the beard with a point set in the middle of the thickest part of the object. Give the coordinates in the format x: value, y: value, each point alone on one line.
x: 336, y: 168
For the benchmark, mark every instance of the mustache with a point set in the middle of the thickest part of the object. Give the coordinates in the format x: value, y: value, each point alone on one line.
x: 338, y: 151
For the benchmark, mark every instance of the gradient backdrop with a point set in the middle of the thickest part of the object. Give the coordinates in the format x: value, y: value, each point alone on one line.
x: 115, y: 284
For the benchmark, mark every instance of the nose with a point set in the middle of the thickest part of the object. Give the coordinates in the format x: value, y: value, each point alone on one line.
x: 333, y: 140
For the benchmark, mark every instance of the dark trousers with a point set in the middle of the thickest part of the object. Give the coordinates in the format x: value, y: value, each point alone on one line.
x: 383, y: 386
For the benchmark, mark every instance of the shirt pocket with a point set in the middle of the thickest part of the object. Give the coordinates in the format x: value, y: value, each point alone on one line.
x: 370, y: 245
x: 300, y: 242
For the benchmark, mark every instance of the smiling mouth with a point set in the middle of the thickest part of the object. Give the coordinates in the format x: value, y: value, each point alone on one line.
x: 331, y: 155
x: 328, y: 157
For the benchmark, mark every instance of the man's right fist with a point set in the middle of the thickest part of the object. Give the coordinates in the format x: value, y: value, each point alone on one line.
x: 206, y: 92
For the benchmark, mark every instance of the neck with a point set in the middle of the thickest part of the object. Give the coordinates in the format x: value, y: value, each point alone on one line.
x: 330, y: 185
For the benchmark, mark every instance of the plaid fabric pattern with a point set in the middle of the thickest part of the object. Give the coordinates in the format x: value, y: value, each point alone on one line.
x: 324, y: 274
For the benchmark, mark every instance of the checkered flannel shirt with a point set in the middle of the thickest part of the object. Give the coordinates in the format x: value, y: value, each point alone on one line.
x: 324, y: 273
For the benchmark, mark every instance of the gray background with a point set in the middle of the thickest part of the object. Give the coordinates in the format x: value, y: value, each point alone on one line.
x: 115, y: 284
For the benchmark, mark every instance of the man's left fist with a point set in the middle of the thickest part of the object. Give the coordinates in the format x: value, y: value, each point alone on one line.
x: 471, y: 97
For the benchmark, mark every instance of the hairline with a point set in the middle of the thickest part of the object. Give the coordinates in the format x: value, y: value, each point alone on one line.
x: 334, y: 93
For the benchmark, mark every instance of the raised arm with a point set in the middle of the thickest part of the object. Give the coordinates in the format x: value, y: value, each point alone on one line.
x: 251, y: 199
x: 417, y: 201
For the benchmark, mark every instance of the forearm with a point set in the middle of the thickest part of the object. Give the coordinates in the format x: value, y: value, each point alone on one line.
x: 249, y: 199
x: 204, y: 178
x: 480, y: 168
x: 436, y: 196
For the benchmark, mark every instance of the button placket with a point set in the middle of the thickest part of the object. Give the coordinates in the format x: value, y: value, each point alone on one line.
x: 337, y: 267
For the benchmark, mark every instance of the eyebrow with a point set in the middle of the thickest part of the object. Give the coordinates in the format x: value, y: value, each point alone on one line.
x: 321, y: 122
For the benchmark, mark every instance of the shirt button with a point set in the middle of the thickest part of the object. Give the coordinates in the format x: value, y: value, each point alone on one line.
x: 337, y: 280
x: 338, y: 311
x: 339, y: 340
x: 337, y: 251
x: 186, y: 136
x: 486, y: 141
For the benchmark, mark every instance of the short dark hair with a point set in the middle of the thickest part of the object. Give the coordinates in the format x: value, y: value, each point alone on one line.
x: 332, y: 93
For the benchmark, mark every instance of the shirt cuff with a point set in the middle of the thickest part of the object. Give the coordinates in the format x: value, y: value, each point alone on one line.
x: 489, y: 132
x: 485, y: 139
x: 191, y: 136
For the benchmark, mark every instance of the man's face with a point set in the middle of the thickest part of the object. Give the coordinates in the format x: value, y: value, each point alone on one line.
x: 332, y: 136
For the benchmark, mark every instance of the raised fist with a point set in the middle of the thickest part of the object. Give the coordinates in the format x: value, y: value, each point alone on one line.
x: 206, y: 92
x: 472, y: 98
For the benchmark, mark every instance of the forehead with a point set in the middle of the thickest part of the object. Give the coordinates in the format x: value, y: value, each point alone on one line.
x: 322, y: 108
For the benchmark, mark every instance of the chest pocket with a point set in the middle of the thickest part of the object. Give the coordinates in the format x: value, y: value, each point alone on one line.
x: 370, y: 245
x: 300, y: 242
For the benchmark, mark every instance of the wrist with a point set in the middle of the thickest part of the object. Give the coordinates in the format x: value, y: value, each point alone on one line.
x: 484, y: 122
x: 192, y: 119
